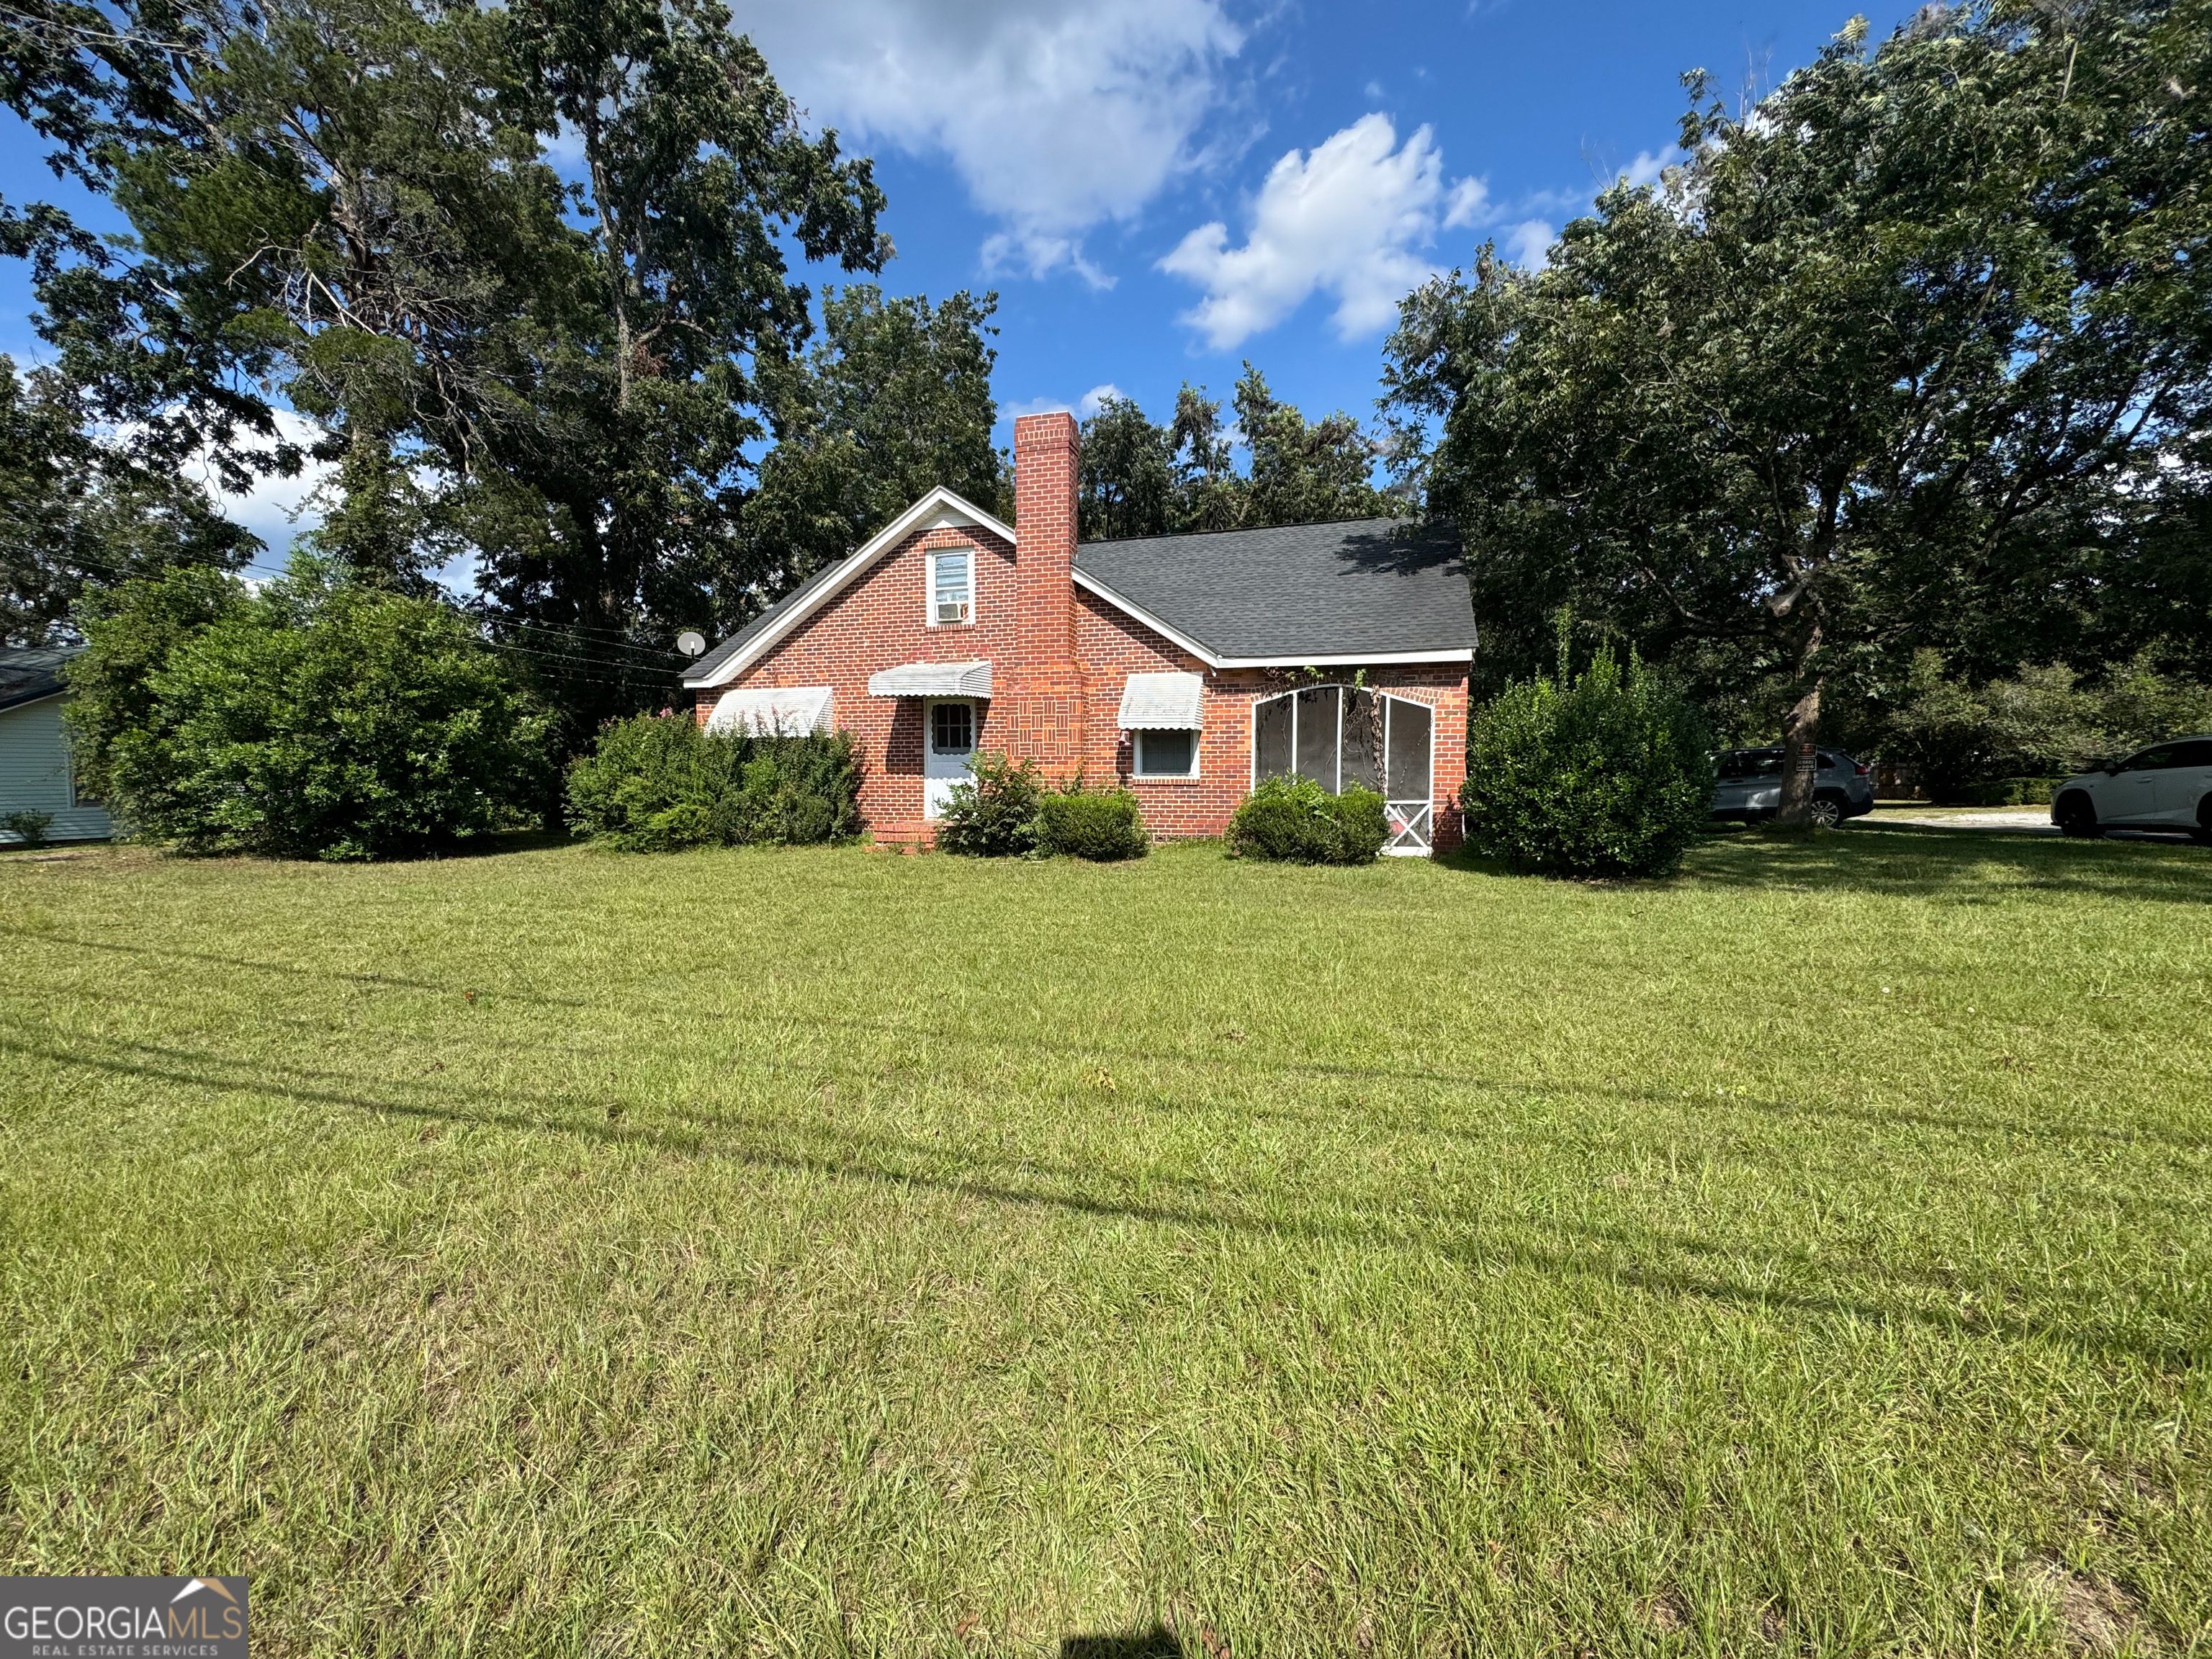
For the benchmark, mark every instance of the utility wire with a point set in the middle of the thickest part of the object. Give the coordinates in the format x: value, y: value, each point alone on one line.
x: 575, y: 660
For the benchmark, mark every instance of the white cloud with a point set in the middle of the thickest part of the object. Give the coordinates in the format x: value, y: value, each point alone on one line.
x: 276, y: 509
x: 1083, y: 408
x: 1650, y: 164
x: 1529, y: 242
x: 1059, y: 115
x: 1346, y: 221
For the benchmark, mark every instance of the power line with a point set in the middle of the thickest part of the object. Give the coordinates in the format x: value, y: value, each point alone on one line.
x: 572, y: 662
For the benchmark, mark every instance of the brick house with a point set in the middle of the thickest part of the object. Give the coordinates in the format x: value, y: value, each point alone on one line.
x: 1187, y: 667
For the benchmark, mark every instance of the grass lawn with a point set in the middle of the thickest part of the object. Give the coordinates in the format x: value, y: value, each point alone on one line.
x: 816, y: 1252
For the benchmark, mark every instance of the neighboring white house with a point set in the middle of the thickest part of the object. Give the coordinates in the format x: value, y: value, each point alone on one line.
x: 35, y: 775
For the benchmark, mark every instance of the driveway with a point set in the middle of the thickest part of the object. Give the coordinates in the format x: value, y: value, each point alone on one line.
x: 2010, y: 820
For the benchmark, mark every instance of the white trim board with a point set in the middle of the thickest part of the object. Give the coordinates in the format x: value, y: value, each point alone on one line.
x: 939, y: 508
x: 1213, y: 660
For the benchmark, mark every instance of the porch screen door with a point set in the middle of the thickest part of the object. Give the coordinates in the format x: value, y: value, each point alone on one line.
x: 1407, y: 808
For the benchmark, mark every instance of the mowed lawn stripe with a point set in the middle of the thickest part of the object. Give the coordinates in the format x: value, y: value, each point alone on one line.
x: 814, y: 1251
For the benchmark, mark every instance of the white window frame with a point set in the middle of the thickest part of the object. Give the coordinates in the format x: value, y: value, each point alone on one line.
x: 1137, y: 751
x: 929, y: 595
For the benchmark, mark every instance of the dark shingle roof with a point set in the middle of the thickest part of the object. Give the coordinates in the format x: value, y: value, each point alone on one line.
x: 26, y: 675
x: 1312, y: 592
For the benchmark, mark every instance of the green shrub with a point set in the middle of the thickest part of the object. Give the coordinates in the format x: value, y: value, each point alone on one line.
x: 29, y: 829
x: 656, y: 783
x: 1607, y: 775
x: 1295, y: 820
x: 993, y: 813
x: 1088, y: 824
x: 316, y: 718
x: 2003, y: 792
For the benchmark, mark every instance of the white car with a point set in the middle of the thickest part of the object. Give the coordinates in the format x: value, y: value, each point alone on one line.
x: 2167, y: 786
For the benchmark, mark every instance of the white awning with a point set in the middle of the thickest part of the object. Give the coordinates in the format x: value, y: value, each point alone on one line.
x: 1163, y: 702
x: 932, y: 679
x: 787, y: 711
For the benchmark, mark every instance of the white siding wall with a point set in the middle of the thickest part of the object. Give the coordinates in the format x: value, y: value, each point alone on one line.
x: 34, y: 773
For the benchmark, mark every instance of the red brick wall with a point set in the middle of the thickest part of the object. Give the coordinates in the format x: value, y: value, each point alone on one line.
x: 881, y: 621
x: 1112, y: 646
x: 1057, y: 674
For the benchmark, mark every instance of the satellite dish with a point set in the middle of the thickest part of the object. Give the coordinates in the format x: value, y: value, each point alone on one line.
x: 691, y: 642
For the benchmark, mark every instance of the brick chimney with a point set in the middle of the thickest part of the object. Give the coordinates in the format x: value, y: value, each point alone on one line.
x: 1044, y: 537
x: 1044, y: 697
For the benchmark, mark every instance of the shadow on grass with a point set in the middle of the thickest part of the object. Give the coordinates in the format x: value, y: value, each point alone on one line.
x: 1963, y: 866
x: 1905, y: 861
x: 1576, y: 1250
x: 2070, y: 1128
x: 1157, y: 1643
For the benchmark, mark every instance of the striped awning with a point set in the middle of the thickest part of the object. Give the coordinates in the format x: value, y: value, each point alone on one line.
x: 932, y: 679
x: 783, y: 711
x: 1163, y: 702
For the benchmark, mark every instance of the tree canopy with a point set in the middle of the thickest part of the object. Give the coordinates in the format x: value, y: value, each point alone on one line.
x: 1141, y: 479
x: 1915, y: 353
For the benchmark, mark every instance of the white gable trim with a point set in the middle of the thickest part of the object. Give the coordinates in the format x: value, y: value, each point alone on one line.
x: 1213, y: 660
x: 939, y: 509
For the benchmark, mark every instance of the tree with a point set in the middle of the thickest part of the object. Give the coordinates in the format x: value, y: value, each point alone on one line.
x: 1911, y: 354
x: 895, y: 400
x: 75, y: 512
x: 320, y: 717
x: 1305, y: 472
x: 1140, y: 479
x: 1127, y: 484
x: 352, y: 204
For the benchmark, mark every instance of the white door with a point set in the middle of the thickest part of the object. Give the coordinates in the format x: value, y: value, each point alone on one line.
x: 948, y: 744
x: 2131, y: 795
x: 2184, y: 782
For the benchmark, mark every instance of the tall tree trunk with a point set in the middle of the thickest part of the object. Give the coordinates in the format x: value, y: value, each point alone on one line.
x: 1800, y: 738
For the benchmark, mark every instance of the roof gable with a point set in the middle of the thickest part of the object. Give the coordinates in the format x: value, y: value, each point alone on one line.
x: 939, y: 508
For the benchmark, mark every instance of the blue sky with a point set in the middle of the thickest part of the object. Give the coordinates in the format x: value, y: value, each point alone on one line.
x: 1159, y: 189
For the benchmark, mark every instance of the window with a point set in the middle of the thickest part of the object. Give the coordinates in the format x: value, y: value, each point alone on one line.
x: 1162, y: 753
x: 2154, y: 760
x: 950, y: 597
x: 952, y: 727
x: 2193, y: 754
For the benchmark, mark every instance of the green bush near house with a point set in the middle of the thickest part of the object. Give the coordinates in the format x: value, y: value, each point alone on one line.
x: 29, y: 829
x: 1103, y: 825
x: 1605, y: 774
x: 2004, y: 792
x: 993, y: 813
x: 657, y: 783
x: 316, y: 718
x: 1294, y: 820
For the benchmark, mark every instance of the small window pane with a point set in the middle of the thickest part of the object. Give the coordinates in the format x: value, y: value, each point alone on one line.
x: 1271, y: 738
x: 953, y: 729
x: 2195, y: 754
x: 952, y: 596
x: 1318, y: 713
x: 1362, y: 740
x: 1166, y: 754
x: 2153, y: 760
x: 1409, y: 749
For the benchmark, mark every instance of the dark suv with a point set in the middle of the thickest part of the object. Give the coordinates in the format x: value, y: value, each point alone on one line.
x: 1750, y: 786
